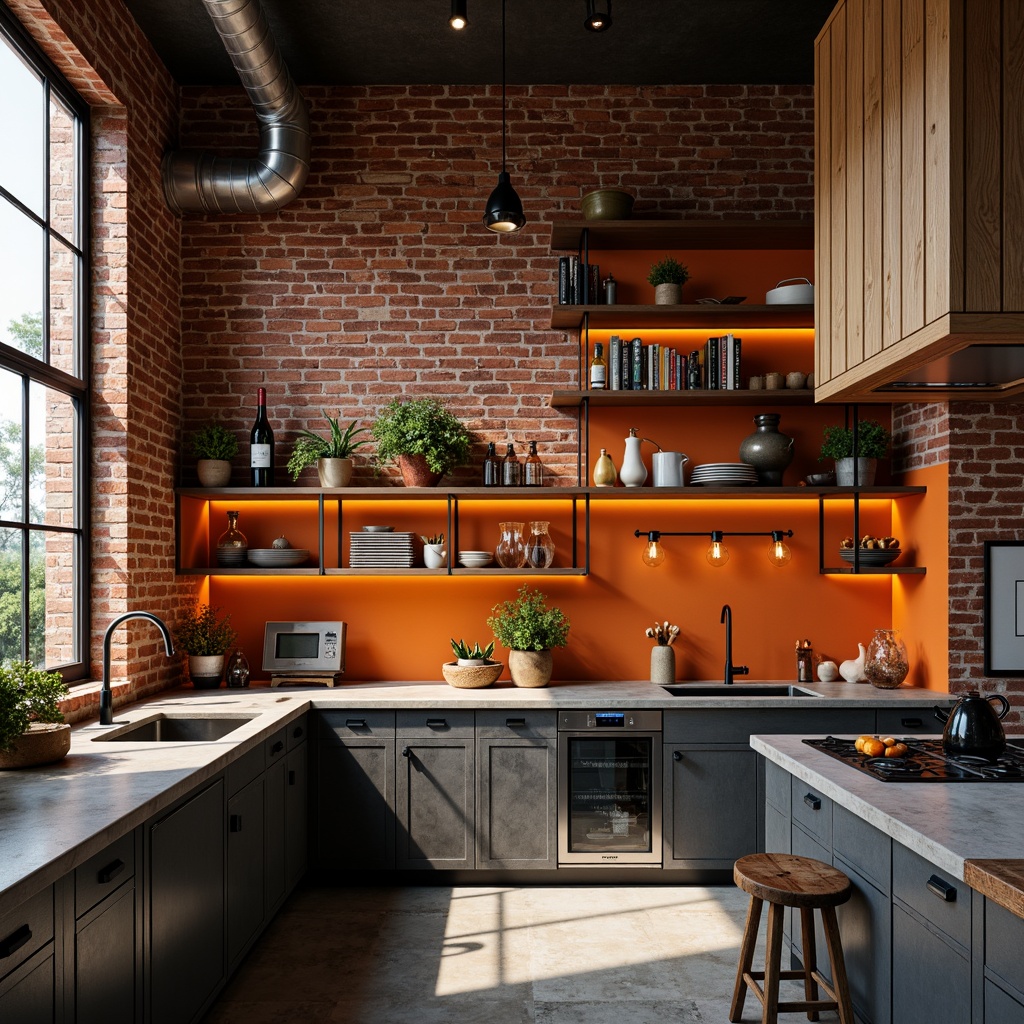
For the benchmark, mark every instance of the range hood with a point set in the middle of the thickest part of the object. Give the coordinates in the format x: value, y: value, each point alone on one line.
x: 981, y: 368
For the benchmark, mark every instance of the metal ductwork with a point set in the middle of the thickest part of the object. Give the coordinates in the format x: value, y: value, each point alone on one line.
x: 198, y: 181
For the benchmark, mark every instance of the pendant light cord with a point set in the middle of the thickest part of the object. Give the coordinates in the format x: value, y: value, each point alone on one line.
x: 503, y: 86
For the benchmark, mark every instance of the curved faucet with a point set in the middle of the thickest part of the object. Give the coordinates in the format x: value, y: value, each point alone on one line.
x: 106, y: 695
x: 730, y: 668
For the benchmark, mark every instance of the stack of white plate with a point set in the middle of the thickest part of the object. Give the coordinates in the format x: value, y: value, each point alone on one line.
x: 475, y: 559
x: 724, y: 474
x: 278, y: 558
x: 379, y: 549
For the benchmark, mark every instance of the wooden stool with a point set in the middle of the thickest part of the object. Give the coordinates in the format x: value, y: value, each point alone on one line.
x: 782, y: 880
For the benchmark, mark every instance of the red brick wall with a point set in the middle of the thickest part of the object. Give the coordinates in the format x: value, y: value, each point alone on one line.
x: 920, y: 436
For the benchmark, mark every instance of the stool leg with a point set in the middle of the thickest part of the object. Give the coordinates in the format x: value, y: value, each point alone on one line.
x: 810, y: 958
x: 739, y: 993
x: 773, y: 964
x: 835, y: 955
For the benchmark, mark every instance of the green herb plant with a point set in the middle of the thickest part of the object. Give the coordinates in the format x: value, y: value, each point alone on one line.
x: 201, y: 631
x: 872, y: 441
x: 462, y: 650
x: 421, y: 426
x: 214, y: 442
x: 27, y: 695
x: 311, y: 446
x: 527, y: 624
x: 668, y: 271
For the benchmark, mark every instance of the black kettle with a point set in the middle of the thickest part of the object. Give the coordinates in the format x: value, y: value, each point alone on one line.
x: 973, y: 726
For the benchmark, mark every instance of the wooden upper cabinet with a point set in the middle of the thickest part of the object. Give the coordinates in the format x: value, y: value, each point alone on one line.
x: 919, y: 200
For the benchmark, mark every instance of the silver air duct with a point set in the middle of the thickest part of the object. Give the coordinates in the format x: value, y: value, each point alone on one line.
x: 198, y: 181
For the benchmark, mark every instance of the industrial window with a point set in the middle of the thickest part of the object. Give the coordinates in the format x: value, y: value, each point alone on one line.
x: 44, y: 395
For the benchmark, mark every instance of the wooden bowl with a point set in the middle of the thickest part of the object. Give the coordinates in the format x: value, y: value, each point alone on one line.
x: 471, y: 677
x: 607, y: 204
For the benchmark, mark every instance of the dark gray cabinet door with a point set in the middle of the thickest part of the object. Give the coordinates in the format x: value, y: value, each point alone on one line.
x: 185, y: 912
x: 1001, y: 1008
x: 435, y: 802
x: 246, y: 866
x: 711, y: 806
x: 27, y: 995
x: 296, y: 816
x: 517, y: 824
x: 932, y: 981
x: 865, y: 924
x: 106, y: 975
x: 275, y: 784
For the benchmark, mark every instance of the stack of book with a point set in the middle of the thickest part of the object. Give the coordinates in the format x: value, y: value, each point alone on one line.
x: 635, y: 366
x: 579, y: 284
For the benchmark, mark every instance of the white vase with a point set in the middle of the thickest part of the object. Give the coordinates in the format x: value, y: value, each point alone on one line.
x: 214, y: 472
x: 334, y: 472
x: 633, y: 472
x: 853, y: 670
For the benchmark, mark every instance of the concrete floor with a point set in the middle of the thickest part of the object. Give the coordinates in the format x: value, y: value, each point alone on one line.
x: 608, y: 955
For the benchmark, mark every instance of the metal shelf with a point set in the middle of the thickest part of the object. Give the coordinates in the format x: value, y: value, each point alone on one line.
x: 683, y: 316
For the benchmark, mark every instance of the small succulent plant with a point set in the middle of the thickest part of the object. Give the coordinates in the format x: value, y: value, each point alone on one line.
x: 464, y: 653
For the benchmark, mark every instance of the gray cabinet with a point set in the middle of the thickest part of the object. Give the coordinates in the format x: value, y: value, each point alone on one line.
x: 354, y: 790
x: 1002, y: 966
x: 296, y: 814
x: 29, y: 967
x: 274, y: 795
x: 435, y: 790
x: 517, y: 756
x: 185, y: 850
x: 246, y: 908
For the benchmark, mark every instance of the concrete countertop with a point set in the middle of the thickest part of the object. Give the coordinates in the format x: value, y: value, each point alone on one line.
x: 948, y: 823
x: 57, y: 816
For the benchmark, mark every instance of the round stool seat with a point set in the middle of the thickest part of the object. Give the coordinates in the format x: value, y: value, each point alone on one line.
x: 791, y: 881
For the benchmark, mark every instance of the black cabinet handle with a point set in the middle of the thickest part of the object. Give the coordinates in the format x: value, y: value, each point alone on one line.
x: 677, y: 755
x: 297, y: 731
x: 112, y: 870
x: 515, y: 723
x: 355, y: 723
x: 277, y: 747
x: 15, y: 941
x: 234, y: 823
x: 291, y: 778
x: 941, y: 888
x: 812, y: 801
x: 437, y: 723
x: 911, y: 723
x: 406, y: 752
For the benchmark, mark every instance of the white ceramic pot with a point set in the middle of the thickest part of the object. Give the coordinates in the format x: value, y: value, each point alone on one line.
x: 828, y: 671
x: 853, y: 670
x: 787, y: 292
x: 214, y: 472
x: 334, y: 472
x: 205, y: 670
x: 668, y: 468
x: 435, y: 556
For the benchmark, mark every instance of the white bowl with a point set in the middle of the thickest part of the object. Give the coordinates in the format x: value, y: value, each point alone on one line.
x: 784, y: 292
x: 479, y: 561
x: 476, y: 554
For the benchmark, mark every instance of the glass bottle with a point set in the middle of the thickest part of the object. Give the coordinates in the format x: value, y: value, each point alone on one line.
x: 598, y: 369
x: 238, y: 670
x: 261, y: 446
x: 511, y: 468
x: 804, y: 661
x: 886, y: 664
x: 533, y: 468
x: 511, y: 550
x: 540, y: 548
x: 232, y: 546
x: 492, y: 467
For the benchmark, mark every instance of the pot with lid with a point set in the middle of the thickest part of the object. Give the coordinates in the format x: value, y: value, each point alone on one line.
x: 973, y: 726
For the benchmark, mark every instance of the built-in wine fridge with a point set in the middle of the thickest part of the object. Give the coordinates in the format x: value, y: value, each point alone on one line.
x: 609, y: 788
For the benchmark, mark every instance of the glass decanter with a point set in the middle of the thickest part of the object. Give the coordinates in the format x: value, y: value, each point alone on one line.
x: 238, y: 670
x: 886, y: 664
x: 511, y: 550
x: 231, y: 544
x: 540, y: 548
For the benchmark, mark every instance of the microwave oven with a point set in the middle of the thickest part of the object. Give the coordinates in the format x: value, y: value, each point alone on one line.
x: 308, y: 649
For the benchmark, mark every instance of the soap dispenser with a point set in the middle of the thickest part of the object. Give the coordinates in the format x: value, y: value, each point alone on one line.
x: 633, y: 472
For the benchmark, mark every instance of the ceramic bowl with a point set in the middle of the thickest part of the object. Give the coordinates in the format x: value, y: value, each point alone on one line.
x: 475, y: 559
x: 471, y: 677
x: 871, y: 557
x: 821, y: 479
x: 607, y: 204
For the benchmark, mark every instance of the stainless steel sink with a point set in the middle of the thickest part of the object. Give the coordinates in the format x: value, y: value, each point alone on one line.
x: 162, y: 728
x: 744, y: 690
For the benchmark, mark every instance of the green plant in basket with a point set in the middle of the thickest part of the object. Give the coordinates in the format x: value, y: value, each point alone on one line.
x: 527, y: 624
x: 27, y: 695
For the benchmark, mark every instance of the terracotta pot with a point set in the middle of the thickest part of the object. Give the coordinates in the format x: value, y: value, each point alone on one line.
x: 416, y: 472
x: 205, y: 670
x: 214, y: 472
x: 43, y: 743
x: 530, y: 668
x: 334, y: 472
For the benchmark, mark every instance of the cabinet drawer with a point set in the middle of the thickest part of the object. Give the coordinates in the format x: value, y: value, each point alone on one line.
x: 25, y: 929
x: 244, y: 769
x: 1004, y: 937
x: 103, y: 873
x: 344, y: 725
x: 935, y: 895
x: 863, y: 847
x: 435, y: 723
x: 777, y: 791
x: 274, y: 746
x: 714, y: 725
x: 297, y: 731
x: 502, y: 724
x: 812, y: 812
x: 906, y: 721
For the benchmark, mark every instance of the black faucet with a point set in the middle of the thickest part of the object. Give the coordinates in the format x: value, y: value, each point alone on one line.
x: 730, y: 669
x: 106, y: 695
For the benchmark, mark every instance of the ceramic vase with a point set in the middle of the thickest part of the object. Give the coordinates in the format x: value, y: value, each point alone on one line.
x: 767, y: 449
x: 530, y: 668
x: 886, y: 664
x: 633, y: 472
x: 334, y: 472
x: 853, y: 670
x: 604, y: 470
x: 435, y: 556
x: 205, y: 670
x: 663, y: 664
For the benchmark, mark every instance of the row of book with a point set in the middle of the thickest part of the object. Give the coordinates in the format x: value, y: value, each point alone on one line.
x: 572, y: 276
x: 635, y: 366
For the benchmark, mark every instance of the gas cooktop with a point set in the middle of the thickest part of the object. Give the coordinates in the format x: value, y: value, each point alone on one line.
x: 926, y: 761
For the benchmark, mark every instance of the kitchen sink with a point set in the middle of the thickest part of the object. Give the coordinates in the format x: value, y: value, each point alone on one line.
x: 744, y: 690
x: 163, y: 728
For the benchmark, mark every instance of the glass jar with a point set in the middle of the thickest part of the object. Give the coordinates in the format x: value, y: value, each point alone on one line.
x: 232, y: 547
x: 540, y: 548
x: 511, y: 550
x: 886, y: 664
x: 238, y: 670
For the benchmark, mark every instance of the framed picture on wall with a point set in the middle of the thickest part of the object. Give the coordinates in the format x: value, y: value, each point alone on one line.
x: 1004, y: 608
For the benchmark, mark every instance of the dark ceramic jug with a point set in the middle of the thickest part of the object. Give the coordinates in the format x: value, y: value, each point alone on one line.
x: 973, y: 727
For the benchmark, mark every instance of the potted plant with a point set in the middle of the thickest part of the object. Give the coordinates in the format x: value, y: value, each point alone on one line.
x: 205, y: 637
x: 32, y: 729
x: 331, y: 455
x: 668, y: 277
x: 528, y: 629
x: 214, y: 447
x: 423, y: 437
x: 872, y: 443
x: 473, y: 667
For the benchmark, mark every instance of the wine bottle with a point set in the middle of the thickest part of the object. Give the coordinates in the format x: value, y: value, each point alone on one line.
x: 598, y: 369
x: 261, y: 448
x: 492, y: 467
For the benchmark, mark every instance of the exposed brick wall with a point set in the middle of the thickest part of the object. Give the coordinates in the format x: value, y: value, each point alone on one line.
x: 381, y: 280
x: 920, y: 436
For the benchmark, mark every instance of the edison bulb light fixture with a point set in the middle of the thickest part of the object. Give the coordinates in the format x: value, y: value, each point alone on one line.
x: 718, y: 553
x: 654, y: 553
x: 779, y: 553
x: 458, y: 20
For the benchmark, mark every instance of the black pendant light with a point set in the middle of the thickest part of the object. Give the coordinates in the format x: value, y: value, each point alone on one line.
x: 459, y: 18
x: 504, y: 210
x: 599, y: 15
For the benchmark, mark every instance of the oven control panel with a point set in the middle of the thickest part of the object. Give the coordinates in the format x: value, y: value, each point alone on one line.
x: 580, y: 721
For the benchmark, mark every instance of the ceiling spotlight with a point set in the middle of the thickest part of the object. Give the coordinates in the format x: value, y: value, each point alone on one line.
x: 599, y: 15
x: 458, y: 20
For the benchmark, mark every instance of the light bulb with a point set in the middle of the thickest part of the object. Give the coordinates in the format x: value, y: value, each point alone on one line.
x: 779, y: 553
x: 718, y: 553
x: 458, y: 19
x: 654, y: 553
